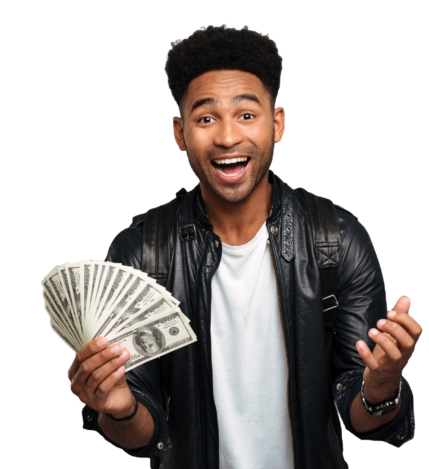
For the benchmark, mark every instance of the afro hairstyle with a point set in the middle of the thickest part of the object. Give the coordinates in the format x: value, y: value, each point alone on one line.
x: 222, y: 48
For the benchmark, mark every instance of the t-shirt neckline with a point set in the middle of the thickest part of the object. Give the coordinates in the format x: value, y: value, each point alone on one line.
x: 237, y: 250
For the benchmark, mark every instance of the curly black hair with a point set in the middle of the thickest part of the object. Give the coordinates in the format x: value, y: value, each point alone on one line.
x: 222, y: 48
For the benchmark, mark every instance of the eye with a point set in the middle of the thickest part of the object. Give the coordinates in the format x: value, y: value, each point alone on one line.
x: 206, y: 117
x: 247, y: 114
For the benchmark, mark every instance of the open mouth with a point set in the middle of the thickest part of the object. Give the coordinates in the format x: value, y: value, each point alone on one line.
x: 230, y: 166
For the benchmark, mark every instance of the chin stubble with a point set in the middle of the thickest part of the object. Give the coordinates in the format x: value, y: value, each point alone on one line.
x: 236, y: 196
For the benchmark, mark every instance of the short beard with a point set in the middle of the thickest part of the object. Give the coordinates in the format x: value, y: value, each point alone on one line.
x: 235, y: 196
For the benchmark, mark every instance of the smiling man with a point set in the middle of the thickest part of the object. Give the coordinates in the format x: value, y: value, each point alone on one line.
x: 260, y: 388
x: 229, y: 139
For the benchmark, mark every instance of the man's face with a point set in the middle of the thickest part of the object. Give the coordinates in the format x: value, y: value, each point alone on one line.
x: 228, y: 115
x: 149, y: 343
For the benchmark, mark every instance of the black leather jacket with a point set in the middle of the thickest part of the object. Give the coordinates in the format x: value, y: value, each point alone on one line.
x: 179, y: 395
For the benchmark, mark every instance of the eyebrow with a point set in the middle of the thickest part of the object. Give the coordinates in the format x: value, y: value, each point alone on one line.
x: 235, y: 100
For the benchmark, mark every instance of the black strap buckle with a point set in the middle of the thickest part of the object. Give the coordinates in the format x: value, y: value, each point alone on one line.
x: 187, y: 233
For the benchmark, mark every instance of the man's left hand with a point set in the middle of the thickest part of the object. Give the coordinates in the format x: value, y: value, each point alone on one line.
x: 395, y: 341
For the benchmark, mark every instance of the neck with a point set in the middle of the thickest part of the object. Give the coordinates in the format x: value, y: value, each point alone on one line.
x: 237, y: 223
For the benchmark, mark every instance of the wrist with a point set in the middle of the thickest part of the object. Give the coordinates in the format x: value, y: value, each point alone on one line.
x: 127, y: 411
x: 381, y: 408
x: 375, y: 394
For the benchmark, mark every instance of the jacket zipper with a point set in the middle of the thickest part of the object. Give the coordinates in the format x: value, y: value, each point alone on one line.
x: 286, y: 349
x: 216, y: 266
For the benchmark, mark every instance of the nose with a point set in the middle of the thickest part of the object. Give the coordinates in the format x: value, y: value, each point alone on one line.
x: 227, y: 134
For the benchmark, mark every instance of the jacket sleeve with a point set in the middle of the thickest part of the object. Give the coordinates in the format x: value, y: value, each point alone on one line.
x: 362, y: 302
x: 144, y: 381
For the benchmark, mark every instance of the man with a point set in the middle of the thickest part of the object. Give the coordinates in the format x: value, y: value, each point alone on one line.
x: 147, y: 341
x: 253, y: 391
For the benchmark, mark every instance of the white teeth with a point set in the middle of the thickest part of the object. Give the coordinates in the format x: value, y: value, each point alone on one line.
x: 231, y: 160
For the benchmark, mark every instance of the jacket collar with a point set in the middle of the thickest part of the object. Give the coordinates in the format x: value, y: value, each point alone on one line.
x: 202, y: 216
x: 280, y: 222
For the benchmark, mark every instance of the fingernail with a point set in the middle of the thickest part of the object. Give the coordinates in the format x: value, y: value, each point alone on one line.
x: 102, y: 341
x: 124, y: 354
x: 373, y: 331
x: 382, y: 322
x: 116, y: 349
x: 361, y: 344
x: 391, y: 314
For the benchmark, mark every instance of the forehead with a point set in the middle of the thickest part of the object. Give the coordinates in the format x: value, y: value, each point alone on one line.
x: 224, y: 85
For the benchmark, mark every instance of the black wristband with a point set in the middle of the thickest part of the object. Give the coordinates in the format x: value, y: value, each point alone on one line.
x: 125, y: 419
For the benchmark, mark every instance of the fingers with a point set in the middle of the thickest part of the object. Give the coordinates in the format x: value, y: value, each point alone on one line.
x: 104, y: 399
x: 395, y: 340
x: 367, y: 356
x: 91, y: 365
x: 404, y: 341
x: 407, y: 322
x: 387, y: 345
x: 85, y: 352
x: 106, y: 386
x: 390, y: 337
x: 390, y: 349
x: 98, y: 377
x: 402, y: 305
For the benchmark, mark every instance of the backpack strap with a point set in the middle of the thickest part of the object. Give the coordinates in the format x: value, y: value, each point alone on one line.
x: 327, y: 245
x: 156, y: 242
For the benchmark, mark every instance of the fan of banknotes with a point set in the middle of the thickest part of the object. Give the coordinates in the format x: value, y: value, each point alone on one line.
x: 90, y: 299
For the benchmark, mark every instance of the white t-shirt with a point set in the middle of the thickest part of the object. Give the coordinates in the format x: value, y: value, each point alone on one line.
x: 249, y: 360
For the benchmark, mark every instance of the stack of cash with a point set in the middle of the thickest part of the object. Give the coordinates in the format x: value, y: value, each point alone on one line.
x: 91, y: 299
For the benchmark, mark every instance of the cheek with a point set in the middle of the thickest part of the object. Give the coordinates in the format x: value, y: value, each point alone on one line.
x: 198, y: 142
x: 261, y: 133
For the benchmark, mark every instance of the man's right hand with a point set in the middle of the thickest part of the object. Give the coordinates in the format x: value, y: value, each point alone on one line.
x: 97, y: 377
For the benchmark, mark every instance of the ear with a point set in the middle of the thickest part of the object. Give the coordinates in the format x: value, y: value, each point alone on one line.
x: 279, y: 123
x: 178, y: 133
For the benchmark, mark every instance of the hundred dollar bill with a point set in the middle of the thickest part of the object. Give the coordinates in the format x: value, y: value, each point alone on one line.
x: 91, y: 292
x: 95, y: 298
x: 107, y: 277
x: 98, y: 276
x: 73, y: 277
x: 129, y: 318
x: 155, y: 337
x: 140, y: 303
x: 67, y: 288
x: 86, y: 269
x: 57, y: 298
x: 120, y: 279
x: 119, y: 305
x: 59, y: 320
x: 61, y: 334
